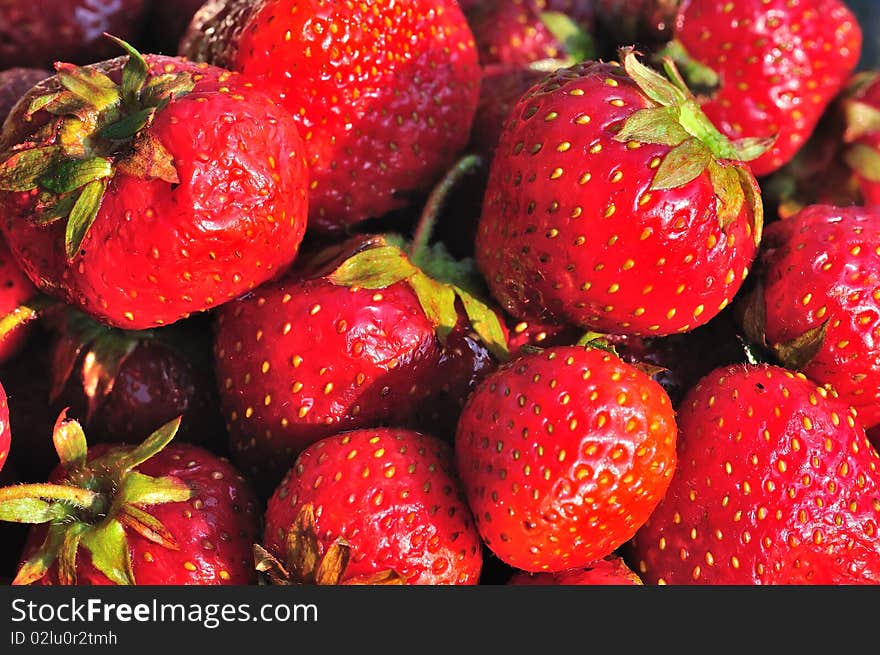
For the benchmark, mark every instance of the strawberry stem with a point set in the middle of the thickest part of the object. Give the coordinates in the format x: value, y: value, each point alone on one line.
x: 436, y: 200
x: 82, y: 498
x: 25, y: 313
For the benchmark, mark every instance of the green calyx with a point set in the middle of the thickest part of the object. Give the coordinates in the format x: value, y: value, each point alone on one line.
x: 578, y: 43
x: 96, y: 130
x: 860, y: 120
x: 94, y: 506
x: 439, y: 281
x: 676, y: 120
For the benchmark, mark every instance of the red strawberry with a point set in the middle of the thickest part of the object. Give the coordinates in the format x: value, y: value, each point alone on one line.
x: 769, y: 67
x: 501, y: 88
x: 5, y: 434
x: 37, y: 34
x: 817, y: 306
x: 614, y: 204
x: 375, y: 331
x: 187, y: 189
x: 146, y: 514
x: 776, y: 484
x: 563, y: 455
x: 14, y: 83
x: 384, y: 94
x: 609, y: 571
x: 387, y: 499
x: 538, y: 334
x: 860, y: 108
x: 518, y: 32
x: 15, y: 289
x: 118, y: 383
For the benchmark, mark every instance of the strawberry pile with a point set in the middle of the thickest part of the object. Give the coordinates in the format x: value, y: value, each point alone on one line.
x: 533, y: 292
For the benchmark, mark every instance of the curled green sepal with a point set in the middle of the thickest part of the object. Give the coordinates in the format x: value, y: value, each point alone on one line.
x: 108, y: 546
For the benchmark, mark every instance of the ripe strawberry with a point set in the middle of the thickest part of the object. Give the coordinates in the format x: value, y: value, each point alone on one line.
x: 817, y: 306
x: 15, y: 289
x: 501, y: 88
x: 14, y: 83
x: 375, y: 331
x: 613, y: 204
x: 162, y: 190
x: 384, y: 501
x: 148, y: 514
x: 769, y: 67
x: 5, y: 434
x: 563, y: 455
x: 384, y: 94
x: 537, y: 334
x: 40, y: 33
x: 860, y: 109
x: 118, y: 383
x: 518, y: 32
x: 611, y: 570
x: 776, y: 484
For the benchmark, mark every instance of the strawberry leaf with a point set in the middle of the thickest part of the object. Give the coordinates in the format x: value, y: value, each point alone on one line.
x: 38, y: 564
x: 653, y: 125
x: 729, y: 194
x: 302, y: 549
x: 70, y: 442
x: 140, y: 489
x: 23, y: 168
x: 88, y: 84
x: 162, y: 88
x: 266, y: 562
x: 135, y: 72
x: 437, y: 301
x: 485, y: 323
x: 67, y: 553
x: 681, y: 165
x: 71, y: 174
x: 332, y: 566
x: 148, y: 526
x: 83, y: 214
x: 696, y: 75
x: 375, y: 268
x: 53, y: 208
x: 128, y: 126
x: 578, y: 42
x: 102, y: 363
x: 864, y: 160
x: 652, y: 83
x: 861, y: 119
x: 151, y: 445
x: 149, y: 160
x: 752, y: 191
x: 799, y: 352
x: 108, y: 546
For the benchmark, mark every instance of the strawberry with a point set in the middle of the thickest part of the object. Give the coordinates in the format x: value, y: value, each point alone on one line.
x: 791, y: 59
x: 611, y: 570
x: 519, y: 32
x: 384, y: 93
x: 148, y: 514
x: 523, y: 335
x: 15, y: 289
x: 860, y: 109
x: 563, y: 454
x: 776, y: 484
x: 14, y: 83
x: 817, y: 306
x: 129, y: 193
x: 40, y: 33
x: 613, y: 204
x: 646, y: 22
x: 118, y: 383
x: 371, y: 506
x: 374, y: 331
x: 5, y: 433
